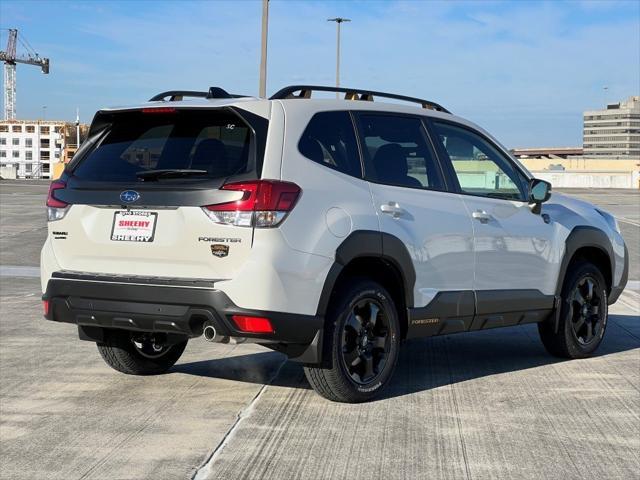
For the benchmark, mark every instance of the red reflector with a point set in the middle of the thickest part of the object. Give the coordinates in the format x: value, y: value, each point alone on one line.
x: 159, y: 110
x: 52, y: 201
x: 252, y: 324
x: 45, y: 305
x: 261, y: 195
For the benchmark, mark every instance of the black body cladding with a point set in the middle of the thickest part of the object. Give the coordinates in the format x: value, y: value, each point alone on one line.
x: 151, y: 305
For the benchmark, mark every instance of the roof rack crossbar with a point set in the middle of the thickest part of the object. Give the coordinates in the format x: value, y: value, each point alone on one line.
x: 177, y: 95
x: 305, y: 91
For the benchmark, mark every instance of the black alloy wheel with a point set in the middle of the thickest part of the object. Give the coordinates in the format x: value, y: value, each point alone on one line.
x: 365, y: 341
x: 577, y: 329
x: 587, y: 316
x: 361, y: 343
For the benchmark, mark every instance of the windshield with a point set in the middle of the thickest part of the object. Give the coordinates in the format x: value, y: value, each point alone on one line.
x: 216, y: 143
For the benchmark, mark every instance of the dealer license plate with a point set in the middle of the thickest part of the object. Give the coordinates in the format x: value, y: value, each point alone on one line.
x: 133, y: 226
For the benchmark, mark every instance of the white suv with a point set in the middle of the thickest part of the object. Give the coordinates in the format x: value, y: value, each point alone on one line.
x: 329, y: 230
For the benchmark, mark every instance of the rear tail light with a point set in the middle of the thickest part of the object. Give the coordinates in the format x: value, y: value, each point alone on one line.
x: 252, y: 324
x: 45, y: 306
x: 264, y: 204
x: 56, y: 209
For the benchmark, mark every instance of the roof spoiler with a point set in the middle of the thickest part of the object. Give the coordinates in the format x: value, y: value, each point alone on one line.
x: 177, y: 95
x: 305, y: 91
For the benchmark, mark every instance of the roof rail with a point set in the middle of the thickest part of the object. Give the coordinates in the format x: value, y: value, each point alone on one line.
x: 177, y: 95
x: 350, y: 94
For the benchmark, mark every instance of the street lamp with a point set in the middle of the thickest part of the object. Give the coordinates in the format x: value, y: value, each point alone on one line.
x: 339, y: 21
x: 263, y: 50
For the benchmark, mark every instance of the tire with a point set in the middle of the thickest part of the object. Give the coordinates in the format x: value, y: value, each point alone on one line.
x: 583, y: 314
x: 121, y: 353
x: 362, y: 342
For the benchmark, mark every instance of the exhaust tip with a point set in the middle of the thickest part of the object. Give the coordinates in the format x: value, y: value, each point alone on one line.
x: 209, y: 333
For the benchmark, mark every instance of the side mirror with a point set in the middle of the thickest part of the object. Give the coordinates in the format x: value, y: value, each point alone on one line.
x: 539, y: 192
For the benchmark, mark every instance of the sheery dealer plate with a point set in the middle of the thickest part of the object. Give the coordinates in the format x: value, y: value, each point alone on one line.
x: 133, y: 226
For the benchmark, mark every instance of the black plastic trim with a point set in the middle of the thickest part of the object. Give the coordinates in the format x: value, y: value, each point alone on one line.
x: 505, y: 301
x: 617, y: 290
x: 174, y: 310
x: 465, y: 310
x: 581, y: 237
x: 448, y: 312
x: 370, y: 243
x: 134, y: 279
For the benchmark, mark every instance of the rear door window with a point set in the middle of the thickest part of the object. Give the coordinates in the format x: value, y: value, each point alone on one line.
x: 329, y: 140
x: 397, y: 152
x: 217, y: 142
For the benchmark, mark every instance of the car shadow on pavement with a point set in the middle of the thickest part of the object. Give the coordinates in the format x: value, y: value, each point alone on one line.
x: 427, y: 363
x: 260, y: 368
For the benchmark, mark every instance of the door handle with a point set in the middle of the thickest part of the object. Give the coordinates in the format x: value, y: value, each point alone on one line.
x: 393, y: 209
x: 481, y: 216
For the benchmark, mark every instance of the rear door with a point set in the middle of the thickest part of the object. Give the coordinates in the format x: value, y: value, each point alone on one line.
x: 136, y: 194
x: 409, y: 193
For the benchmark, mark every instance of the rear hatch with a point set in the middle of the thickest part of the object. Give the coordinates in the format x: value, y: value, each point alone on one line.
x: 131, y: 202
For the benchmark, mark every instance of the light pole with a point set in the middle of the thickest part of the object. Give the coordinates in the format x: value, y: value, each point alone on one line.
x: 77, y: 128
x: 263, y: 51
x: 339, y: 21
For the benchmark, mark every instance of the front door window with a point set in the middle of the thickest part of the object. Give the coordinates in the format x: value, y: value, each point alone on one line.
x: 480, y: 167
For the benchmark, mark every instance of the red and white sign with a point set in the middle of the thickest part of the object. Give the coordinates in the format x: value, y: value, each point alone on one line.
x: 134, y: 226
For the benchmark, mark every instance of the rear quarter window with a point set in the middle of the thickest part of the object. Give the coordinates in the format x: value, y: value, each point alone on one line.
x: 215, y: 141
x: 330, y: 140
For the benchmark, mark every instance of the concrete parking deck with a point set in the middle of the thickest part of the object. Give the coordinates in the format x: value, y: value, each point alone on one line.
x: 488, y: 404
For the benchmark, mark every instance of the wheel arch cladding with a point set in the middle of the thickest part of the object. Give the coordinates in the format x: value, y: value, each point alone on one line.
x: 379, y: 256
x: 593, y: 245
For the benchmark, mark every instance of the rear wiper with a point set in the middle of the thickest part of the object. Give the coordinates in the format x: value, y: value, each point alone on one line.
x: 169, y: 173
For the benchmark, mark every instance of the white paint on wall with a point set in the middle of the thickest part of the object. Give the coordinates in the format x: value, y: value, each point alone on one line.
x: 590, y: 179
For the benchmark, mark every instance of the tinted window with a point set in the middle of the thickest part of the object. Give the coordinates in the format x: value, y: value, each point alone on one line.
x: 480, y: 167
x: 214, y: 141
x: 330, y: 141
x: 397, y: 152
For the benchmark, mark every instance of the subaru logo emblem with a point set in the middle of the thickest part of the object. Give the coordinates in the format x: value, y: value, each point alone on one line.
x: 129, y: 196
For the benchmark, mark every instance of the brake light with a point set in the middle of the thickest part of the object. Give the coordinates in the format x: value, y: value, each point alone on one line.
x: 56, y: 209
x: 159, y: 110
x: 45, y: 306
x: 264, y: 204
x: 252, y: 324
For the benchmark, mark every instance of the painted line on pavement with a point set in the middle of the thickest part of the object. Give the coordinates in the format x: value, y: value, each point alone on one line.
x: 630, y: 222
x: 19, y: 271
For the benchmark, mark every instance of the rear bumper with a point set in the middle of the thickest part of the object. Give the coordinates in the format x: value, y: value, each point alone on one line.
x: 176, y: 307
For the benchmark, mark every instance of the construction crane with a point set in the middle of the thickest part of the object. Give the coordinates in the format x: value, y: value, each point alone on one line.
x: 10, y: 60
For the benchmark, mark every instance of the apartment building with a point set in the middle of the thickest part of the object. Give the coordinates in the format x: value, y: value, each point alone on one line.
x: 614, y: 132
x: 35, y: 147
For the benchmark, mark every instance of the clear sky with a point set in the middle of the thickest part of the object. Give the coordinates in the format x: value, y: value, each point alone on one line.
x: 523, y: 70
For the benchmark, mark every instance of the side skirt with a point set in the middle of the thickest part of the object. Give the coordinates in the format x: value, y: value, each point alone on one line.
x: 462, y: 311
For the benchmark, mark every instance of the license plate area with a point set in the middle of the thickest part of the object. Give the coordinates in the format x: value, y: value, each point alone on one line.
x: 134, y: 226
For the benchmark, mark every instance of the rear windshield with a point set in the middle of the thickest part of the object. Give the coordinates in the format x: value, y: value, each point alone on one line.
x: 216, y: 142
